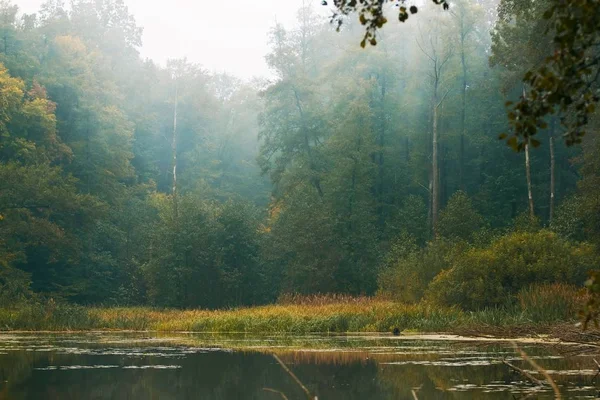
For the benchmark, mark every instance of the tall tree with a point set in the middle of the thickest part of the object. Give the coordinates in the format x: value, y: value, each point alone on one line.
x: 438, y: 54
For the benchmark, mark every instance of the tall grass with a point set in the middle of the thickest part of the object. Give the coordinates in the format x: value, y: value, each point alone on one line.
x: 49, y: 316
x: 550, y: 303
x: 301, y: 315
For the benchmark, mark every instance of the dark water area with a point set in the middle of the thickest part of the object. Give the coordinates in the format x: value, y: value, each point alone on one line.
x: 134, y: 366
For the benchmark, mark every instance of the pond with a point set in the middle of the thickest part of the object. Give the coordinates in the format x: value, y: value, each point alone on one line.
x: 204, y: 366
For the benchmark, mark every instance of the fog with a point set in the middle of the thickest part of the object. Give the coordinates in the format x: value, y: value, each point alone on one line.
x: 161, y: 174
x: 222, y: 36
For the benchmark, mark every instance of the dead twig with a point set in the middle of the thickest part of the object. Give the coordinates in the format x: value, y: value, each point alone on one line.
x: 283, y: 396
x: 414, y: 395
x: 294, y: 377
x: 597, y: 373
x: 526, y: 374
x: 541, y: 370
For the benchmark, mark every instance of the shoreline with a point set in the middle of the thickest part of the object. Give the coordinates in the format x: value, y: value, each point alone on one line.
x: 366, y: 318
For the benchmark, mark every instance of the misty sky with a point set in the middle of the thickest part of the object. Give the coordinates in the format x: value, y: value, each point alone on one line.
x: 178, y: 28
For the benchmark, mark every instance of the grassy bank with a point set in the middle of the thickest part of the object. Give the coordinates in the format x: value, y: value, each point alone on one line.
x: 537, y: 311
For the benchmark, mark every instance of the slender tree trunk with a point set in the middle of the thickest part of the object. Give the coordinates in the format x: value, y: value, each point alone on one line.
x: 552, y: 174
x: 435, y: 171
x: 528, y: 174
x: 380, y: 161
x: 174, y: 149
x: 463, y: 116
x: 88, y: 149
x: 529, y: 189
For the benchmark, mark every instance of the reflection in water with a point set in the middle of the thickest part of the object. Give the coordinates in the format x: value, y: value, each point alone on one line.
x: 110, y: 366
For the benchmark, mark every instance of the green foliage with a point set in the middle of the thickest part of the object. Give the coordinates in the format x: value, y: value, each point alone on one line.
x: 568, y: 221
x: 551, y: 302
x: 459, y: 220
x: 407, y: 277
x: 15, y: 288
x: 91, y: 136
x: 412, y: 219
x: 203, y: 254
x: 48, y: 315
x: 494, y: 275
x: 564, y: 80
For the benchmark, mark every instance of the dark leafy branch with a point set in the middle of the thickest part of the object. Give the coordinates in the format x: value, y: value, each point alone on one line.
x: 371, y: 14
x: 566, y: 83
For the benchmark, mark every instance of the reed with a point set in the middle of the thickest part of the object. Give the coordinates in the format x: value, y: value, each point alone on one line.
x: 552, y: 302
x: 300, y: 315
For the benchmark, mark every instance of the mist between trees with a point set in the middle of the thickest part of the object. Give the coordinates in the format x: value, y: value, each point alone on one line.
x: 354, y: 171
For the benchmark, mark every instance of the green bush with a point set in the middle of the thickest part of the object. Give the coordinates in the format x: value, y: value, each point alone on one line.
x: 494, y: 275
x: 459, y: 220
x: 407, y: 278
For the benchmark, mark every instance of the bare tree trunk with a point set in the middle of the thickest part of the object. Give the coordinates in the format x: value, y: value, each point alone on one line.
x: 435, y: 172
x: 529, y: 190
x: 552, y: 179
x: 463, y: 116
x: 174, y: 149
x: 438, y: 63
x: 380, y: 161
x: 552, y: 174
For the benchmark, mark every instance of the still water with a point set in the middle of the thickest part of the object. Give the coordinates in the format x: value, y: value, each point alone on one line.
x: 150, y: 366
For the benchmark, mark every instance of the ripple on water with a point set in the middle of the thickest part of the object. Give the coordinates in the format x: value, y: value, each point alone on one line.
x: 74, y: 367
x: 85, y: 367
x: 152, y: 367
x: 470, y: 363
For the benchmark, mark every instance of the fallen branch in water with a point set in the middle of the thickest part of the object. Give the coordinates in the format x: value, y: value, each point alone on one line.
x: 526, y: 374
x: 294, y: 377
x: 597, y: 373
x: 540, y: 370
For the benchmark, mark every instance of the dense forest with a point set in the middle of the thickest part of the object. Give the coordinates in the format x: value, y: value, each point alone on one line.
x: 352, y: 170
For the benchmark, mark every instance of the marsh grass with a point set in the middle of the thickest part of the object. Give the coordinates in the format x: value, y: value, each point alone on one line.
x: 297, y: 315
x: 553, y: 302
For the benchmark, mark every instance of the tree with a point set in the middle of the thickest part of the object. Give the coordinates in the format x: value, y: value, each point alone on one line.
x: 292, y: 124
x: 439, y: 54
x: 466, y: 18
x: 460, y: 220
x: 565, y: 83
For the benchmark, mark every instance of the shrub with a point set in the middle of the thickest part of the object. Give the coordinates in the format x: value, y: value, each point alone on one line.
x: 568, y: 220
x: 459, y: 220
x: 15, y: 287
x: 494, y: 275
x: 407, y: 278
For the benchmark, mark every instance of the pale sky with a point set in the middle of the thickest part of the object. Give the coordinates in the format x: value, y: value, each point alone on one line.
x: 189, y: 28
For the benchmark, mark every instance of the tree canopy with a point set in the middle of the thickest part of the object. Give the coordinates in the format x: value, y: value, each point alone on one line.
x: 563, y: 83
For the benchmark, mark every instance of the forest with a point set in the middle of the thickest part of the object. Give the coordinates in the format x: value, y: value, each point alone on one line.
x: 352, y: 171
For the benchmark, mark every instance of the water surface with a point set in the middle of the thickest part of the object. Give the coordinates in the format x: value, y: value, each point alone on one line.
x: 203, y: 366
